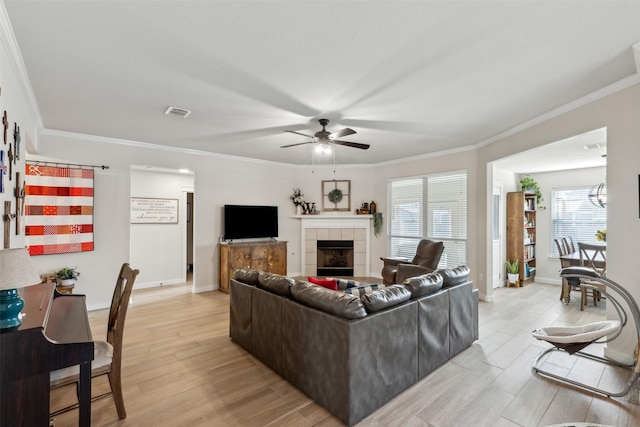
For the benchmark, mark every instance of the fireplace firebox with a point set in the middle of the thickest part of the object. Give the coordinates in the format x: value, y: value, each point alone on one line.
x: 335, y: 258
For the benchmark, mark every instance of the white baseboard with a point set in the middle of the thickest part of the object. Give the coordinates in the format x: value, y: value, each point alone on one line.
x: 156, y: 284
x: 623, y: 358
x: 205, y: 288
x: 486, y: 298
x: 548, y: 281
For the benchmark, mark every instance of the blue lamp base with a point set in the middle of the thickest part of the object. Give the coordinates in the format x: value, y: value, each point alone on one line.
x: 10, y: 306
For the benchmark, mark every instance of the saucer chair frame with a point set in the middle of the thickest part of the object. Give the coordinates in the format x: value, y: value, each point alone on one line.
x: 573, y: 339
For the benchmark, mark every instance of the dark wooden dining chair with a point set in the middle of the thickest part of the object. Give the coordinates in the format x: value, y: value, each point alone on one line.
x: 594, y: 257
x: 107, y: 354
x: 567, y: 286
x: 568, y: 244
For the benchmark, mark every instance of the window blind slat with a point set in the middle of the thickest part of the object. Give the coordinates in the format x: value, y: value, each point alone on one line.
x: 573, y: 215
x: 432, y: 207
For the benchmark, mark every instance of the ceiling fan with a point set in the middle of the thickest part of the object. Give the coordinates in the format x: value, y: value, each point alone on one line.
x: 323, y: 137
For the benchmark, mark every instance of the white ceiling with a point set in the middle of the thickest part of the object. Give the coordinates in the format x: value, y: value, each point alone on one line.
x: 587, y: 150
x: 410, y: 78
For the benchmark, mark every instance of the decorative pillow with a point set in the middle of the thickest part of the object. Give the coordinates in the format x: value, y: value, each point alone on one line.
x: 363, y: 289
x: 454, y: 276
x: 389, y: 296
x: 247, y: 275
x: 423, y: 285
x: 328, y: 283
x: 338, y: 303
x: 345, y: 283
x: 275, y: 283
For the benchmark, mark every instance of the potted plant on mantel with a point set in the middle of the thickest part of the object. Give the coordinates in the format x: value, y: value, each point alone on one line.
x: 512, y: 271
x: 529, y: 185
x: 67, y: 276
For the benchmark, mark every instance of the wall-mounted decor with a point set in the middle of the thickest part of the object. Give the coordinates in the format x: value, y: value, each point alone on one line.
x: 5, y: 124
x: 58, y: 209
x: 336, y: 195
x: 145, y: 210
x: 16, y: 143
x: 3, y: 171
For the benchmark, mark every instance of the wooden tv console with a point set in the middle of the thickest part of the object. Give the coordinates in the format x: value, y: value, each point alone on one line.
x: 264, y: 256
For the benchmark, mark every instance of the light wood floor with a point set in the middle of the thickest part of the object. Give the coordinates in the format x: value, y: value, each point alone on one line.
x: 181, y: 369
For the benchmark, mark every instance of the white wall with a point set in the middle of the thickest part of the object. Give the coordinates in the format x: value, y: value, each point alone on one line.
x: 158, y: 250
x: 14, y: 102
x: 508, y: 182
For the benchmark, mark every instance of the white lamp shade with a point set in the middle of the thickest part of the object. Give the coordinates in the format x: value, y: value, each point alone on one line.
x: 16, y: 269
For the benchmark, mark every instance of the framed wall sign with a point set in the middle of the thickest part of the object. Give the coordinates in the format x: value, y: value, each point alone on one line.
x: 146, y: 210
x: 336, y: 195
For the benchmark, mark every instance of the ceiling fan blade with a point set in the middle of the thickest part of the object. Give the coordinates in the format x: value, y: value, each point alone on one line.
x: 352, y: 144
x: 341, y: 133
x: 293, y: 145
x: 299, y: 133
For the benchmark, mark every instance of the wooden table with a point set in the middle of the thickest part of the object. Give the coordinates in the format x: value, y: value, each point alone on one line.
x: 573, y: 260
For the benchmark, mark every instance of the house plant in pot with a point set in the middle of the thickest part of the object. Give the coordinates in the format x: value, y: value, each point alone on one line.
x: 530, y: 185
x: 67, y: 276
x: 512, y: 271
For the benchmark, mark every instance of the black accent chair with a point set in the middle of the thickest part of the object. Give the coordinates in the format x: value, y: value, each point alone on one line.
x: 397, y: 270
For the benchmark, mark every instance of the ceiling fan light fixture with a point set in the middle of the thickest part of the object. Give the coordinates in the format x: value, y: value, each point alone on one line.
x: 323, y: 150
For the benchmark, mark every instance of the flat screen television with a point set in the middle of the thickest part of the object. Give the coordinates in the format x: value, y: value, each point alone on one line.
x: 250, y: 222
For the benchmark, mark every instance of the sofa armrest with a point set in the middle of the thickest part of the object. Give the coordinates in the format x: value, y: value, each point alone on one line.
x: 392, y: 261
x: 406, y: 271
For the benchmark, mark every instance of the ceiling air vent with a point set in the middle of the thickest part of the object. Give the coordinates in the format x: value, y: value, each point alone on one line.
x: 594, y: 146
x: 182, y: 112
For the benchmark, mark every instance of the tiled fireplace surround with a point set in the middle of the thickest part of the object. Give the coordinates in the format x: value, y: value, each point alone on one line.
x: 336, y: 227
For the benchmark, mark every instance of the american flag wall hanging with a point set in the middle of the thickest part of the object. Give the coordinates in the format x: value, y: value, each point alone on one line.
x: 58, y: 211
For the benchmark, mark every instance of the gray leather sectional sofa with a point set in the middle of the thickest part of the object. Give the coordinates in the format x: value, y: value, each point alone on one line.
x: 353, y: 354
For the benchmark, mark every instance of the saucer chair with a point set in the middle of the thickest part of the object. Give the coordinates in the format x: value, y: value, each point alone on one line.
x: 575, y: 338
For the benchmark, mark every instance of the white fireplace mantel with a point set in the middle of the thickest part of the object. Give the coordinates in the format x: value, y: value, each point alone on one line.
x: 329, y: 221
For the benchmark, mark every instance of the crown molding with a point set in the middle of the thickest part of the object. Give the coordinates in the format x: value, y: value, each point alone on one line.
x: 172, y: 149
x: 573, y: 105
x: 14, y: 57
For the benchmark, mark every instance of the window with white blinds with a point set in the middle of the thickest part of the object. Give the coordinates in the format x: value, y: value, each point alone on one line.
x: 573, y: 215
x: 429, y: 207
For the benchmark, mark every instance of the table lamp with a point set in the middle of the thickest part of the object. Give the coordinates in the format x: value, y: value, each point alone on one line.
x: 16, y: 271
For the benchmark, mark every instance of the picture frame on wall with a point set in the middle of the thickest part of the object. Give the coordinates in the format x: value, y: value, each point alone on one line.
x: 148, y: 210
x: 336, y: 195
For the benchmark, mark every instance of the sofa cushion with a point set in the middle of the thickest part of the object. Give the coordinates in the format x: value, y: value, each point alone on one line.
x: 389, y: 296
x: 275, y: 283
x: 247, y: 275
x: 454, y: 276
x: 340, y: 303
x: 345, y: 283
x: 363, y: 289
x: 423, y: 285
x: 327, y: 283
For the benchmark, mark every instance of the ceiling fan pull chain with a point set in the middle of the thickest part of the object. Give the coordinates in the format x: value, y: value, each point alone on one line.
x: 334, y: 160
